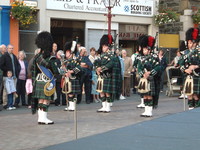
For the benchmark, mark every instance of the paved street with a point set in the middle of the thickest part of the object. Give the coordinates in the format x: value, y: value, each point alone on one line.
x: 20, y: 131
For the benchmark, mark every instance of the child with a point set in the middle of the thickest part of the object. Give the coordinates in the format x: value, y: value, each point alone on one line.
x: 29, y: 90
x: 11, y: 89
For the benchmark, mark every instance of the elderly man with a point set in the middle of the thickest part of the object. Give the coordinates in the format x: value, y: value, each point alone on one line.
x: 2, y: 51
x: 127, y: 73
x: 9, y: 62
x: 86, y: 76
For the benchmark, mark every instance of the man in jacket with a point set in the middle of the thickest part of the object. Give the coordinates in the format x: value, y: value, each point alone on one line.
x: 9, y: 62
x: 2, y: 51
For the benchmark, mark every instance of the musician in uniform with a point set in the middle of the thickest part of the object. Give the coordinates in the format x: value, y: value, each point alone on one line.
x: 109, y: 74
x: 190, y: 66
x: 72, y: 69
x: 148, y: 67
x: 43, y: 70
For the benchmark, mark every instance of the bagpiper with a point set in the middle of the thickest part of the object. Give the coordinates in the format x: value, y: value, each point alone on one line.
x: 190, y: 66
x: 72, y: 73
x: 43, y: 70
x: 109, y: 74
x: 148, y: 67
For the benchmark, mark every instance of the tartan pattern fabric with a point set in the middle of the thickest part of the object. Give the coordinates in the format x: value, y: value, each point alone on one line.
x: 148, y: 102
x: 39, y: 91
x: 196, y: 85
x: 111, y: 73
x: 116, y: 77
x: 196, y: 89
x: 38, y: 86
x: 76, y: 88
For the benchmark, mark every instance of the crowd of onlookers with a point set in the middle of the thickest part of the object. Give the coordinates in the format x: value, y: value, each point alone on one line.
x: 16, y: 83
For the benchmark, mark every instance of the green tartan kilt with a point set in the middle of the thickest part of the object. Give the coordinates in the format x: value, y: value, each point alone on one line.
x: 76, y: 88
x: 38, y: 91
x: 152, y: 88
x: 196, y: 85
x: 107, y: 85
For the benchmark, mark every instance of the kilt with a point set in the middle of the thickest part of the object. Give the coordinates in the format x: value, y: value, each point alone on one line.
x: 107, y: 85
x: 152, y: 88
x: 76, y: 88
x: 38, y: 91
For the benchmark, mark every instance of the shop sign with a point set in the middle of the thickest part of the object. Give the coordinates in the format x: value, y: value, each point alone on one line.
x: 30, y: 3
x: 131, y: 32
x: 122, y: 7
x: 129, y: 35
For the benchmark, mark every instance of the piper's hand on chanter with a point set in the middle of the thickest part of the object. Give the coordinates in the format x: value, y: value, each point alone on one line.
x: 192, y: 67
x: 146, y: 74
x: 188, y: 71
x: 68, y: 73
x: 98, y: 70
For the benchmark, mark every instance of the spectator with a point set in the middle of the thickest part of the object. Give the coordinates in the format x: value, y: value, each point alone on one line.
x: 59, y: 62
x: 54, y: 49
x: 176, y: 59
x: 135, y: 80
x: 86, y: 77
x: 117, y: 52
x: 163, y: 64
x: 92, y: 58
x: 21, y: 80
x: 9, y: 62
x: 10, y: 89
x: 2, y: 51
x: 127, y: 73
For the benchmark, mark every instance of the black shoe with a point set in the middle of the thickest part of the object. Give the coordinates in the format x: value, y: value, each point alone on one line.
x: 57, y: 104
x: 16, y: 105
x: 155, y: 106
x: 5, y: 106
x: 78, y: 102
x: 24, y: 104
x: 87, y: 102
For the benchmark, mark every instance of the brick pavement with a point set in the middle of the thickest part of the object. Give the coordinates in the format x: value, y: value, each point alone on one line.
x: 19, y: 129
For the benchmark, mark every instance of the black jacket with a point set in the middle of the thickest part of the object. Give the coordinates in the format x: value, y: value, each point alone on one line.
x: 6, y: 64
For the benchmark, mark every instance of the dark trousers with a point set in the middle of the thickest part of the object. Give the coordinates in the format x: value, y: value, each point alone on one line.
x: 157, y: 91
x: 10, y: 100
x: 1, y: 90
x: 29, y: 98
x: 59, y: 94
x: 86, y: 80
x: 20, y: 92
x: 135, y: 82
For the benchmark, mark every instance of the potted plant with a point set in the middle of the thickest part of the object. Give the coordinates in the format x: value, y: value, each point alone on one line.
x: 164, y: 16
x: 196, y: 18
x: 26, y: 15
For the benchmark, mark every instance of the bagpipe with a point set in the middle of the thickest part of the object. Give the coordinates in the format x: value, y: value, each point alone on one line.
x: 188, y: 86
x: 98, y: 63
x: 144, y: 85
x: 48, y: 77
x: 66, y: 81
x: 192, y: 58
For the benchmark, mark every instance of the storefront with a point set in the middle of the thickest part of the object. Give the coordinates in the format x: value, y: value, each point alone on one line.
x: 86, y: 22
